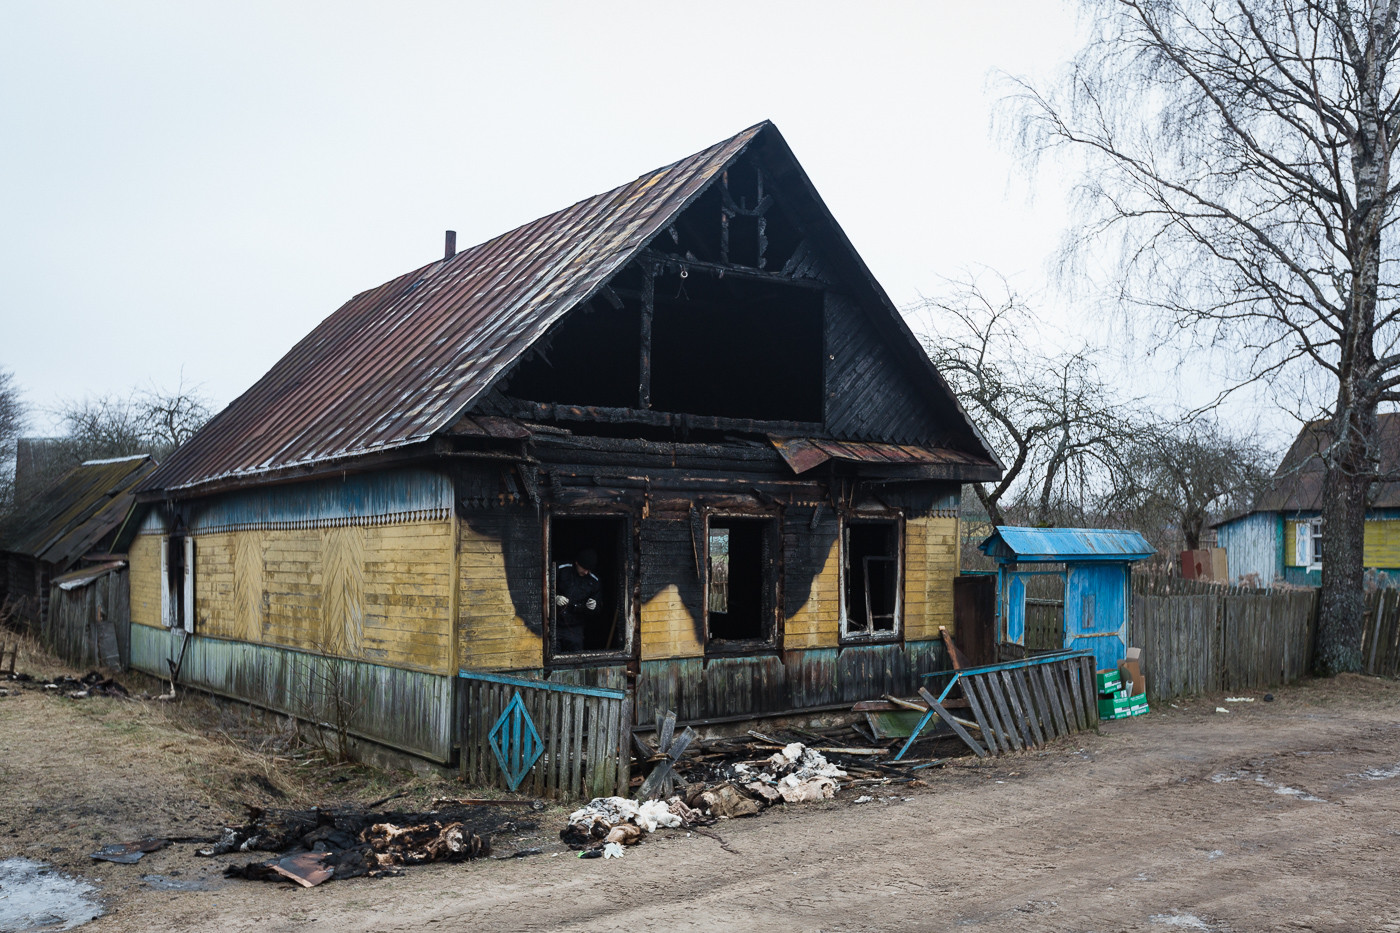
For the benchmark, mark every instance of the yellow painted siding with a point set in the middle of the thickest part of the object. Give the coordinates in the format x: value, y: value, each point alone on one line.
x: 490, y: 635
x: 380, y: 593
x: 1382, y: 547
x: 215, y: 603
x: 668, y: 628
x: 143, y: 558
x: 930, y: 564
x: 818, y: 623
x: 1290, y: 544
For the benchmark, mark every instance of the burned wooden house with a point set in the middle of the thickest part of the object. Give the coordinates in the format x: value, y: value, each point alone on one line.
x: 691, y: 383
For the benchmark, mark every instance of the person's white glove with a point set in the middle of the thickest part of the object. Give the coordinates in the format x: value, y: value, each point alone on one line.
x: 561, y: 601
x: 591, y: 604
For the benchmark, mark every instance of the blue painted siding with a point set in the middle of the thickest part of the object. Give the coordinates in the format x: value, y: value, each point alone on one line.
x: 389, y: 495
x: 1096, y: 611
x: 1254, y: 545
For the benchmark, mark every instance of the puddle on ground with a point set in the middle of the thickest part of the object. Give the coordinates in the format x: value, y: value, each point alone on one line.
x: 1283, y: 789
x: 1381, y: 774
x: 1181, y: 921
x: 35, y: 896
x: 166, y: 883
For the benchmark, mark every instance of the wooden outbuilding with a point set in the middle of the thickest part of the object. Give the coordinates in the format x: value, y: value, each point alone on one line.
x: 691, y: 383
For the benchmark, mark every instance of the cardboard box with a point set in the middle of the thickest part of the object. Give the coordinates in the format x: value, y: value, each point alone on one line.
x: 1109, y: 681
x: 1123, y: 708
x: 1130, y: 670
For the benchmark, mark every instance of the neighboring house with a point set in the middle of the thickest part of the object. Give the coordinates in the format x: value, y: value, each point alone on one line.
x: 694, y: 377
x: 1282, y: 537
x: 67, y: 527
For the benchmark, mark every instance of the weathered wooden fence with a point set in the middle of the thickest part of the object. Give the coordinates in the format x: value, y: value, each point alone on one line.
x: 1024, y: 704
x: 1200, y: 637
x: 88, y: 624
x: 584, y: 736
x: 1380, y: 643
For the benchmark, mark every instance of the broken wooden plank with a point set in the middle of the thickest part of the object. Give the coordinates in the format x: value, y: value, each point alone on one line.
x: 988, y: 733
x: 943, y: 714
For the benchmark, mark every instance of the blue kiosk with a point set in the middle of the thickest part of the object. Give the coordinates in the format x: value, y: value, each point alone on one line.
x: 1095, y: 565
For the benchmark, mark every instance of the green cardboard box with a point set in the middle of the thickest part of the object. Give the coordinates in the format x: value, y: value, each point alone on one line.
x: 1109, y: 681
x: 1122, y: 707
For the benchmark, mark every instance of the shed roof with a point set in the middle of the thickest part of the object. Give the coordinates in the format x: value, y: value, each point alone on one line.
x: 79, y: 510
x: 1066, y: 545
x: 402, y: 362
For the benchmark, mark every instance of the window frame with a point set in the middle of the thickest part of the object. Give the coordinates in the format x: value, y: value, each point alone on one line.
x: 177, y: 602
x: 846, y: 635
x: 626, y: 564
x: 772, y: 542
x: 1314, y: 527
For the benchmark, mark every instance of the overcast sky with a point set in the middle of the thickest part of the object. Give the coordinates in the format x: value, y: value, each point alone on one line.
x: 190, y: 187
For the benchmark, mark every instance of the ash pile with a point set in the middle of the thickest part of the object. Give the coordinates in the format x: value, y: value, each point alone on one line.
x: 319, y: 845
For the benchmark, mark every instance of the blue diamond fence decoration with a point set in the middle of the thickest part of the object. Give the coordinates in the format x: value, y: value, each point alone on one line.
x: 516, y: 742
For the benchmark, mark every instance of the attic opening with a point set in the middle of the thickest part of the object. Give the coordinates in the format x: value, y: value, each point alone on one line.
x: 574, y: 544
x: 741, y: 581
x: 737, y: 348
x: 592, y: 358
x: 872, y: 575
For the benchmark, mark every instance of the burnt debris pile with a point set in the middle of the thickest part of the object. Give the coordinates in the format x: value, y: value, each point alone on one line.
x: 318, y: 845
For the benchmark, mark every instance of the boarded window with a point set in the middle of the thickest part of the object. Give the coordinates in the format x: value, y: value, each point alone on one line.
x: 871, y: 568
x: 741, y: 581
x: 577, y: 628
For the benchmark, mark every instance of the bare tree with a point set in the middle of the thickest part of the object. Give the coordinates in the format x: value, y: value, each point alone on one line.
x: 1049, y: 414
x: 150, y: 420
x: 1181, y: 474
x: 11, y: 424
x: 1239, y: 159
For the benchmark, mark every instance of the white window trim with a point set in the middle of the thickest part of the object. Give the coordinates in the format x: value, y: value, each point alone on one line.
x: 847, y: 635
x: 1304, y: 551
x: 171, y: 599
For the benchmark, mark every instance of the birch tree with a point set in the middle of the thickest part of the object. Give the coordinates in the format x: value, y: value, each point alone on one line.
x: 1238, y: 162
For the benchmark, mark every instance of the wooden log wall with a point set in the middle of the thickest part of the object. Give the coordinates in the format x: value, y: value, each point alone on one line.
x: 586, y: 737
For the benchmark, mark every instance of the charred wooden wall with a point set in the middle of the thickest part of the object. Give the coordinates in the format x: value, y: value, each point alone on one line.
x: 664, y: 497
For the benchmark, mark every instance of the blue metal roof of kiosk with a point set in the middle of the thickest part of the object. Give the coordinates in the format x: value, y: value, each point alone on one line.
x: 1065, y: 545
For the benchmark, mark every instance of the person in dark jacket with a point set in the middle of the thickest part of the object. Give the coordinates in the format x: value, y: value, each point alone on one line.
x: 576, y: 591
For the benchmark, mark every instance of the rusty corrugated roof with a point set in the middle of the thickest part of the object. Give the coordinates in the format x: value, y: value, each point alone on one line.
x: 81, y: 508
x: 804, y: 453
x: 400, y: 362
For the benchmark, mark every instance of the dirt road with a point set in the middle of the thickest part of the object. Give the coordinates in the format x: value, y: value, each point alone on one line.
x: 1274, y: 816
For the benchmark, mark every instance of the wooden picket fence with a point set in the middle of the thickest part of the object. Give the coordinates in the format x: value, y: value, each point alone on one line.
x: 585, y: 733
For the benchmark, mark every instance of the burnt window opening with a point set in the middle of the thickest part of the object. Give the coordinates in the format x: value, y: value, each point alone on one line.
x: 177, y: 589
x: 871, y: 568
x: 737, y: 348
x: 592, y: 358
x: 740, y: 581
x: 574, y: 627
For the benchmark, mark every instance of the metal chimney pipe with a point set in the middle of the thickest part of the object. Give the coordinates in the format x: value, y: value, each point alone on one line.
x: 450, y: 249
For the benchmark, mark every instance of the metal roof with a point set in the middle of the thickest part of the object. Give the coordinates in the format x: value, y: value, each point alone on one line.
x: 403, y: 362
x: 400, y: 362
x: 79, y: 510
x: 1067, y: 545
x: 805, y: 453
